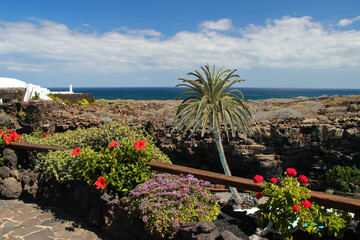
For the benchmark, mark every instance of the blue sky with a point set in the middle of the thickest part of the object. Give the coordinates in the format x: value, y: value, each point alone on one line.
x: 138, y: 43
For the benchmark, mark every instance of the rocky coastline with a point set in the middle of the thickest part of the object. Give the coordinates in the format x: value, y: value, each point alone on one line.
x: 309, y: 134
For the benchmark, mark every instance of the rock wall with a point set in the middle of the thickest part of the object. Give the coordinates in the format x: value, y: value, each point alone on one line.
x: 9, y: 94
x: 309, y: 134
x: 75, y: 97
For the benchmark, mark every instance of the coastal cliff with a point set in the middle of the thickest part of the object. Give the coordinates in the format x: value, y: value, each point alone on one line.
x: 309, y: 134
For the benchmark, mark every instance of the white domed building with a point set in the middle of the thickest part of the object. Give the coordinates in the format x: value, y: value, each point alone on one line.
x: 9, y: 87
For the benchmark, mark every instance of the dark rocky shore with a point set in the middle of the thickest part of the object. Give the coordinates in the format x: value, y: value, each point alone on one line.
x: 309, y: 134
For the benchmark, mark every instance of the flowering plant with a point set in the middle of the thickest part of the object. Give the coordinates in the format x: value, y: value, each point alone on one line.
x: 8, y: 136
x: 120, y: 163
x: 166, y: 202
x: 288, y: 209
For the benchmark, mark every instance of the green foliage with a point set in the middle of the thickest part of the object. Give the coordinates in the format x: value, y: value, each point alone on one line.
x: 57, y: 164
x: 289, y: 209
x: 21, y: 114
x: 36, y: 96
x: 342, y: 178
x: 167, y: 201
x: 98, y: 137
x: 83, y: 102
x: 2, y: 159
x: 122, y: 166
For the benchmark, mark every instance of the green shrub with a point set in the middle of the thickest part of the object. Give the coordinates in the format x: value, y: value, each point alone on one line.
x: 122, y: 166
x: 60, y: 165
x: 83, y: 102
x: 342, y: 178
x: 288, y: 209
x: 98, y: 137
x: 167, y: 201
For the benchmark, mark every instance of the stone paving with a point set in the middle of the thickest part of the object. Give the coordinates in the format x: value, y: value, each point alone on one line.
x: 20, y: 220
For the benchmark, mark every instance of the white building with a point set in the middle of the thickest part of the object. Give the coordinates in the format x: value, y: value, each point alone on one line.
x: 31, y: 89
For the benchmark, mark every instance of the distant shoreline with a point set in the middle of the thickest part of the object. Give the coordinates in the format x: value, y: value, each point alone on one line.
x: 170, y: 93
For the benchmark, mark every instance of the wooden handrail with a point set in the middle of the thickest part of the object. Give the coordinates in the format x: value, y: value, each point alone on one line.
x: 36, y: 147
x: 327, y: 200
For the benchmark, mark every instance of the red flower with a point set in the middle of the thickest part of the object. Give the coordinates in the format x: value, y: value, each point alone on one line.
x: 45, y: 135
x: 76, y: 151
x: 306, y: 204
x: 140, y: 144
x: 100, y: 183
x: 258, y: 178
x: 274, y: 180
x: 113, y: 144
x: 296, y: 208
x: 12, y: 136
x: 259, y: 195
x: 303, y: 179
x: 291, y: 172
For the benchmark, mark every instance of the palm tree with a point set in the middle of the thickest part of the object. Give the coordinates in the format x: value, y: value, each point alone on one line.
x: 209, y: 102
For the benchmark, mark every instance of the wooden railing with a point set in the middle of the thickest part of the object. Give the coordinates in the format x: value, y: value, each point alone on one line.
x: 327, y: 200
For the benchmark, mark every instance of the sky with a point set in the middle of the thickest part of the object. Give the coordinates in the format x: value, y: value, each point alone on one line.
x: 139, y: 43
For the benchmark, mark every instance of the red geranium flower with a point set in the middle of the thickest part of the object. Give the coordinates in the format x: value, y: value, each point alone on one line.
x: 296, y: 208
x: 12, y: 136
x: 76, y: 151
x: 100, y: 183
x: 140, y: 144
x: 274, y: 180
x: 259, y: 195
x: 303, y: 179
x: 45, y: 135
x: 291, y: 172
x: 306, y: 204
x: 258, y: 178
x: 113, y: 144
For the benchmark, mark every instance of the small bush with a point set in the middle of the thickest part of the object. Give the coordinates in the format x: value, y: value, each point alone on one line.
x: 166, y: 202
x: 60, y: 165
x: 122, y: 166
x: 83, y: 102
x: 342, y: 178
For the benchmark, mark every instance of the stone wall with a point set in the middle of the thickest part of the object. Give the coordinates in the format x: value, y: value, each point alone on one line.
x: 9, y: 94
x: 75, y: 97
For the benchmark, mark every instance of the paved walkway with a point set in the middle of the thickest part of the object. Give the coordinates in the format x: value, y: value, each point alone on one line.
x: 19, y: 220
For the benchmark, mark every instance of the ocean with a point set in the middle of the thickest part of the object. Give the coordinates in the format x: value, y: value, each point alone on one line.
x: 170, y: 93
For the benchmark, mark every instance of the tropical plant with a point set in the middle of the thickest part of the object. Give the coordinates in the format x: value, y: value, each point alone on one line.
x: 210, y: 102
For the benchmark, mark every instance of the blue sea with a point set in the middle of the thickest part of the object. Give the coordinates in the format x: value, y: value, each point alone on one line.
x: 170, y: 93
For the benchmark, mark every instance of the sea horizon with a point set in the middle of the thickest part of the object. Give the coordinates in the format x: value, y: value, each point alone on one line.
x: 170, y: 93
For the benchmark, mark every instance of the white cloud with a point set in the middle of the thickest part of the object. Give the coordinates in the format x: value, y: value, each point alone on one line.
x: 221, y: 25
x: 47, y: 46
x: 346, y: 22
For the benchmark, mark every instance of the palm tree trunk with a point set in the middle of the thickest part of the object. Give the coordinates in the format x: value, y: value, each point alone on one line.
x: 225, y: 165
